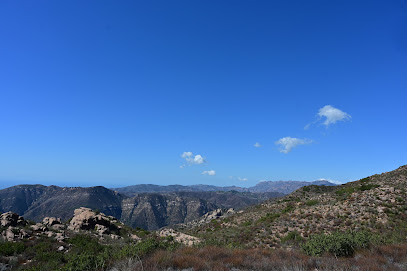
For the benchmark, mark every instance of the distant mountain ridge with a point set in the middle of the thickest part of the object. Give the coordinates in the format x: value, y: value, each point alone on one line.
x: 145, y: 210
x: 37, y: 201
x: 146, y: 206
x: 284, y: 187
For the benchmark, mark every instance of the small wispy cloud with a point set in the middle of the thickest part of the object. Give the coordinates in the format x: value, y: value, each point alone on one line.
x: 209, y: 172
x: 186, y: 154
x: 306, y: 127
x: 240, y: 179
x: 288, y: 143
x: 330, y: 115
x: 257, y: 145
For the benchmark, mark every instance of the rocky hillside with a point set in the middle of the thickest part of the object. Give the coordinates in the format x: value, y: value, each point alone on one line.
x: 376, y: 203
x: 146, y: 210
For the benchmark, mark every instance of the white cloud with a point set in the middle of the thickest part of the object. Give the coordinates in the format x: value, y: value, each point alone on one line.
x: 191, y: 159
x: 257, y: 145
x: 332, y: 115
x: 242, y: 179
x: 209, y: 172
x: 288, y: 143
x: 196, y: 160
x: 186, y: 154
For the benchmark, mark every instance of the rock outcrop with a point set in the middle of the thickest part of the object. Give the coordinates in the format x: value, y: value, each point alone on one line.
x: 13, y: 224
x: 11, y: 219
x: 180, y: 237
x: 51, y: 221
x: 216, y: 214
x: 86, y: 219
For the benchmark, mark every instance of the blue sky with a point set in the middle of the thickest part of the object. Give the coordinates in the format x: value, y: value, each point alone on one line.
x: 115, y: 93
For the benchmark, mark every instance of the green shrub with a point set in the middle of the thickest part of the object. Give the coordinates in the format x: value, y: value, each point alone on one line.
x: 292, y: 236
x: 87, y: 261
x: 10, y: 249
x: 247, y: 223
x: 269, y: 217
x: 339, y: 243
x: 365, y: 180
x: 365, y: 187
x: 141, y: 232
x: 311, y: 202
x: 345, y: 191
x: 288, y: 209
x: 87, y: 254
x: 85, y: 243
x: 146, y: 247
x: 44, y: 255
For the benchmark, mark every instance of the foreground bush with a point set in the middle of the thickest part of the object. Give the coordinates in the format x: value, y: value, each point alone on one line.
x: 339, y: 244
x: 10, y: 249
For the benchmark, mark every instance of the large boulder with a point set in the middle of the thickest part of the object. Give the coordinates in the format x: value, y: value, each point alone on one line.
x: 12, y: 219
x: 39, y: 227
x: 51, y: 221
x: 216, y: 214
x: 9, y: 235
x: 187, y: 240
x: 86, y: 219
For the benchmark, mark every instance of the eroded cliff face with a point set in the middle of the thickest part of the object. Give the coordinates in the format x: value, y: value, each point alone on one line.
x: 145, y: 210
x: 153, y: 211
x: 35, y: 202
x: 148, y: 211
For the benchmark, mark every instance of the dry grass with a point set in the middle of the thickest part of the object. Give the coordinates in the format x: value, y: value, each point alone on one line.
x: 389, y: 257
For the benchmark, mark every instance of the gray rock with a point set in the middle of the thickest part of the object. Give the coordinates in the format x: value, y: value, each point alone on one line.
x: 50, y: 221
x: 86, y: 219
x: 39, y: 227
x: 12, y: 219
x: 9, y: 235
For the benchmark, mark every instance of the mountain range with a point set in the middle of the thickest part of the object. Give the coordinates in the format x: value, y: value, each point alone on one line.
x: 145, y: 206
x: 145, y: 210
x: 284, y: 187
x: 360, y: 224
